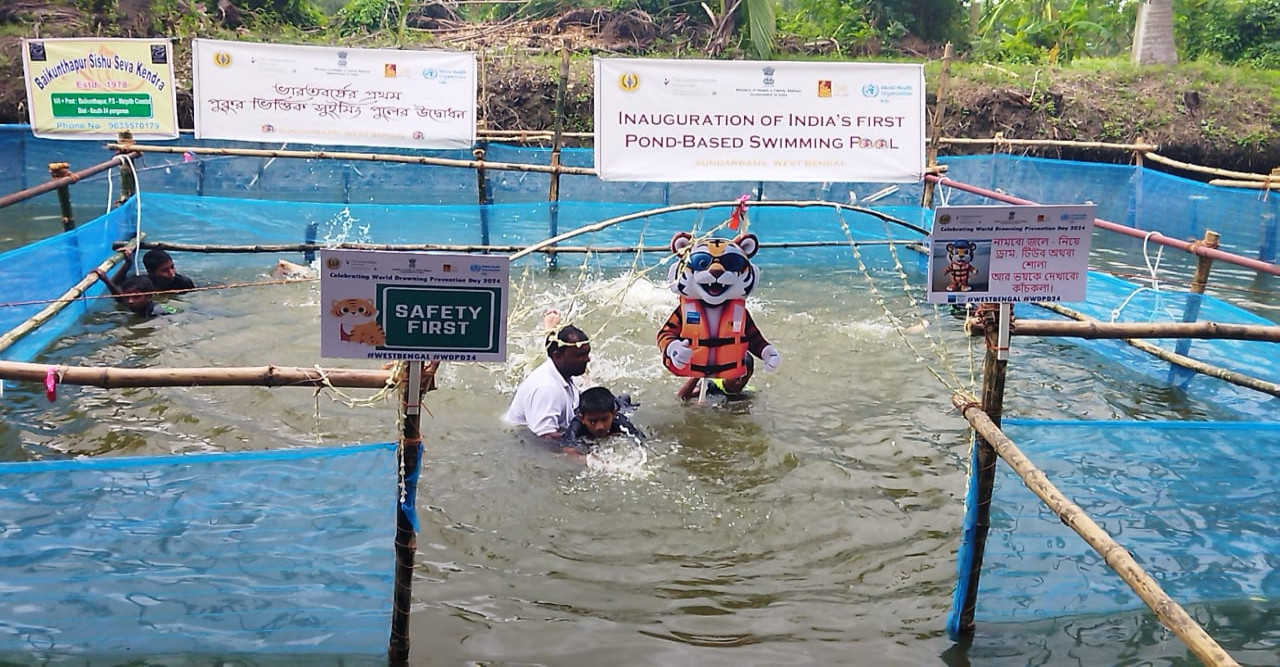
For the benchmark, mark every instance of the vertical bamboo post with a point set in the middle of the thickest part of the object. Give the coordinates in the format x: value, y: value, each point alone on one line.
x: 996, y: 325
x: 939, y: 112
x: 406, y: 545
x: 1199, y: 282
x: 553, y: 195
x: 200, y: 178
x: 483, y: 197
x: 128, y: 179
x: 59, y: 170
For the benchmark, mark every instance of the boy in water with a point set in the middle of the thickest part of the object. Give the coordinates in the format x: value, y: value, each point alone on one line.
x: 733, y: 389
x: 136, y: 291
x: 160, y: 271
x: 598, y: 416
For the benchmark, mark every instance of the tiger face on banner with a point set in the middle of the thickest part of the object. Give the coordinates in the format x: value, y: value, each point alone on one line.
x: 711, y: 332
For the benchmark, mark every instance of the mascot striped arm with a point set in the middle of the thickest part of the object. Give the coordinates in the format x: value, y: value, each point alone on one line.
x: 711, y: 330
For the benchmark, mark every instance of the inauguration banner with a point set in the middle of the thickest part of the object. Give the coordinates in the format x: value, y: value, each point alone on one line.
x: 95, y: 88
x: 334, y: 96
x: 700, y: 120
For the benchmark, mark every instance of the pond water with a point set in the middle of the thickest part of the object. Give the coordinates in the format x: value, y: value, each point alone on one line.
x: 815, y: 524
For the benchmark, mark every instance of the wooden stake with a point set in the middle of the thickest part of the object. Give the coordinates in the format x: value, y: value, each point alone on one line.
x: 939, y: 114
x: 61, y: 171
x: 406, y: 544
x: 1172, y: 615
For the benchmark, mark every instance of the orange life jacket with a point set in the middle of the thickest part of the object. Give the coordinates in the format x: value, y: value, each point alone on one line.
x: 718, y: 356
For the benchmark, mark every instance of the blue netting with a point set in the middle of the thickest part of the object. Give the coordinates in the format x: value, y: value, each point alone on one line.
x: 1194, y: 506
x: 264, y: 552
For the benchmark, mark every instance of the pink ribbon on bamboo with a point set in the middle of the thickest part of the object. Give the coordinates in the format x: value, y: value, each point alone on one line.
x: 51, y: 384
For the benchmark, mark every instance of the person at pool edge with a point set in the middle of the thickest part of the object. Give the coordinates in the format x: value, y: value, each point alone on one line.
x: 161, y: 271
x: 545, y: 402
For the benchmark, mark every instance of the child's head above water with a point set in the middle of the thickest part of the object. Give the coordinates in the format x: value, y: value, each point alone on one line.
x: 136, y: 293
x: 596, y: 408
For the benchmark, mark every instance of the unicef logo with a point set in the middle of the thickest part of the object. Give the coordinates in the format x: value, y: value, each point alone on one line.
x: 870, y: 90
x: 430, y: 73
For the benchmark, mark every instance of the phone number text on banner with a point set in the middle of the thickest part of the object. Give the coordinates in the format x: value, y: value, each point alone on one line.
x: 334, y: 96
x: 697, y: 120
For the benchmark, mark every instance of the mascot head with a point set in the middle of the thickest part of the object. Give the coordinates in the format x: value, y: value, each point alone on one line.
x: 714, y: 270
x: 961, y: 252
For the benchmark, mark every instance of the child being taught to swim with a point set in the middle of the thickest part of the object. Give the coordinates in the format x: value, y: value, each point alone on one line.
x: 599, y: 415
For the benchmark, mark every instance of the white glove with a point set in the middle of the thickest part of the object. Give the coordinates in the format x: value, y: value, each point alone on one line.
x: 679, y: 352
x: 771, y: 358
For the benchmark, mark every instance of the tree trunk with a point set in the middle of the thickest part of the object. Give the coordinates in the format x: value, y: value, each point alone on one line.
x: 1153, y: 37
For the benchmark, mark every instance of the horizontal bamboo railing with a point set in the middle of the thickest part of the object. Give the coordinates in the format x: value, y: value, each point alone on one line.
x: 258, y: 376
x: 54, y: 184
x: 1094, y: 329
x: 1170, y: 613
x: 310, y: 247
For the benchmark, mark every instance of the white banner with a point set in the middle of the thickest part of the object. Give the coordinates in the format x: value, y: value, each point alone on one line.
x: 337, y: 96
x: 1010, y: 253
x: 699, y: 120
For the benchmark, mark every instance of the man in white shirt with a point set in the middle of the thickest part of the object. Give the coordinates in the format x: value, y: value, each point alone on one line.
x: 546, y: 400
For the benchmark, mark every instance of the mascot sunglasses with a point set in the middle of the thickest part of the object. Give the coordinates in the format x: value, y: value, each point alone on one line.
x: 701, y: 261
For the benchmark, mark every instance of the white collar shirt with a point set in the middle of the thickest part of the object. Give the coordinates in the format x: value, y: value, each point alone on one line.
x: 545, y: 402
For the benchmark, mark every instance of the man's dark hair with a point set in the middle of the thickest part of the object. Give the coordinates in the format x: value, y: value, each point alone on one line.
x: 568, y: 334
x: 154, y: 258
x: 597, y: 399
x: 137, y: 284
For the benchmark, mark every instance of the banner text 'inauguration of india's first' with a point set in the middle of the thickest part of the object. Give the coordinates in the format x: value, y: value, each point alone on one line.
x: 696, y: 120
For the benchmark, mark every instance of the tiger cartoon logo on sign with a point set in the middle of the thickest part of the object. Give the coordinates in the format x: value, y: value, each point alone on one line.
x: 362, y: 316
x: 711, y: 332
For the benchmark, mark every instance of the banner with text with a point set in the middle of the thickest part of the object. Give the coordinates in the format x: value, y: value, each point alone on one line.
x: 334, y: 96
x: 413, y: 305
x: 1010, y: 253
x: 699, y: 120
x: 92, y: 88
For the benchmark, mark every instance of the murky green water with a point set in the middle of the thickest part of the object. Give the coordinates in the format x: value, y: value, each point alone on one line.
x: 816, y: 525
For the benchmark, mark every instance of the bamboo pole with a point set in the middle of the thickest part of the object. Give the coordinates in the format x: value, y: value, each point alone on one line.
x: 1187, y: 166
x: 702, y: 206
x: 1170, y: 613
x: 59, y: 171
x: 311, y: 247
x: 360, y: 157
x: 1239, y: 379
x: 406, y: 540
x: 1194, y: 248
x: 48, y: 186
x: 1191, y: 313
x: 939, y: 113
x: 1095, y: 329
x: 249, y: 376
x: 1001, y: 141
x: 69, y: 297
x: 1251, y: 185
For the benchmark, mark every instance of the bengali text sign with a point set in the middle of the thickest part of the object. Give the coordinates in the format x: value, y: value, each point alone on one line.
x: 1010, y: 253
x: 334, y: 96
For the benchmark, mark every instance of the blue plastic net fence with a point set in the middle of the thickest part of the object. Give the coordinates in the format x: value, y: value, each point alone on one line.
x: 263, y: 552
x: 1192, y: 503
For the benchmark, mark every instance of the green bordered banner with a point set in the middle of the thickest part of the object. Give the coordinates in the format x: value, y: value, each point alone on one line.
x: 97, y: 88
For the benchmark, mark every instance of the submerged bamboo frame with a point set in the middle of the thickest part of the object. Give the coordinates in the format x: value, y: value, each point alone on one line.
x: 1117, y: 557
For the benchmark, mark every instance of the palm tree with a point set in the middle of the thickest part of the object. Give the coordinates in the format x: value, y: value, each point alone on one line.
x: 761, y: 20
x: 1153, y: 37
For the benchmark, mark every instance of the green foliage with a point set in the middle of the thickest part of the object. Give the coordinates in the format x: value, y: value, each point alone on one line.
x: 860, y: 21
x: 845, y: 21
x: 1245, y: 32
x: 762, y: 26
x: 1053, y: 31
x: 361, y: 17
x: 264, y: 13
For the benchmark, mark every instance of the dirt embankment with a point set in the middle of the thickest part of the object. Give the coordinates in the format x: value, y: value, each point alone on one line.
x: 1232, y: 124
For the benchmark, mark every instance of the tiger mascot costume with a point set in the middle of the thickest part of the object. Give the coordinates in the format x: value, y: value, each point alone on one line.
x: 711, y: 332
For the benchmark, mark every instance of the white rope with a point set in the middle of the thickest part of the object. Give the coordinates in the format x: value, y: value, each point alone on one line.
x: 110, y: 194
x: 137, y: 227
x: 1152, y: 269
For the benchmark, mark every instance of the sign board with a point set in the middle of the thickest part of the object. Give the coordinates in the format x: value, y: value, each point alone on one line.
x: 413, y: 305
x: 1009, y: 253
x: 92, y: 88
x: 704, y: 120
x: 334, y: 96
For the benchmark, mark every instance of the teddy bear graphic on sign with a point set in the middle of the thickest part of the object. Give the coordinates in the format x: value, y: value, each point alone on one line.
x: 358, y: 322
x: 710, y: 333
x: 960, y: 267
